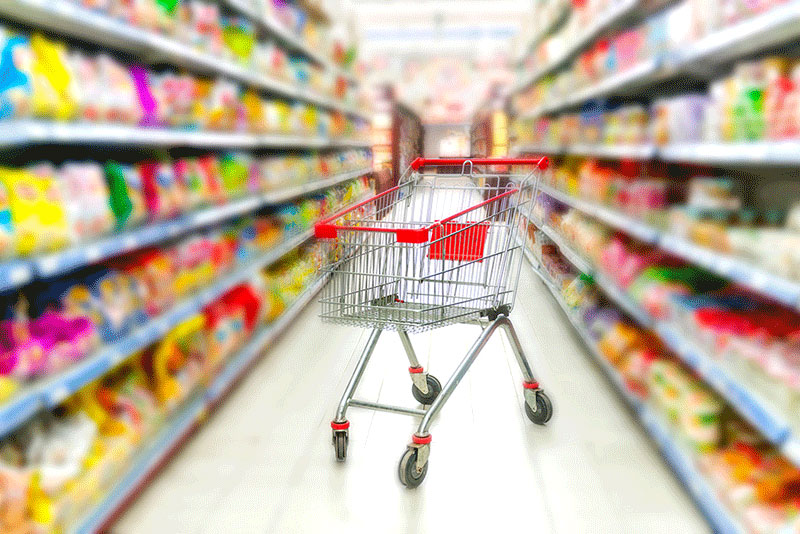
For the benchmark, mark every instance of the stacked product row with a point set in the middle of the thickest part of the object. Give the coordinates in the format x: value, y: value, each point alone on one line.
x: 662, y: 34
x: 47, y: 80
x: 708, y: 210
x: 670, y: 271
x: 758, y: 101
x: 45, y: 207
x: 56, y: 467
x: 746, y: 471
x: 206, y: 27
x: 53, y: 324
x: 754, y: 336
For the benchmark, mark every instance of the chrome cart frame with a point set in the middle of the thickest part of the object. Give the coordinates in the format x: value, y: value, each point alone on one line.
x: 438, y: 249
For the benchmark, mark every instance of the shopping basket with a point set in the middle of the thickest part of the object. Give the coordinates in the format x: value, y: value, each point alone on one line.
x: 438, y: 249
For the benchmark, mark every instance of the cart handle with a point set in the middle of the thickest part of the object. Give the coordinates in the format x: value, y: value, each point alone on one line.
x: 418, y: 163
x: 325, y: 230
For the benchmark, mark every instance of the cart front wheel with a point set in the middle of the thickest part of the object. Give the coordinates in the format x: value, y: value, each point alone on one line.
x: 544, y: 409
x: 434, y: 388
x: 409, y: 476
x: 340, y: 440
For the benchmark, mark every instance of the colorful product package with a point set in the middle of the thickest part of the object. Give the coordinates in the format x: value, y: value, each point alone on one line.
x: 126, y: 194
x: 37, y: 210
x: 8, y: 236
x: 54, y: 83
x: 16, y: 88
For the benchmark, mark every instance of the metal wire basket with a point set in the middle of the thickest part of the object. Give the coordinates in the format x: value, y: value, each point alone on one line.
x: 437, y: 249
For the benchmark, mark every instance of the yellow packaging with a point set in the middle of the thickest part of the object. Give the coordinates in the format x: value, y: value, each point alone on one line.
x: 37, y: 210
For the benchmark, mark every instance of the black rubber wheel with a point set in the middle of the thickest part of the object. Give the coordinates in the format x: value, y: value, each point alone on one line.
x: 408, y: 469
x: 340, y: 444
x: 434, y: 388
x: 544, y: 409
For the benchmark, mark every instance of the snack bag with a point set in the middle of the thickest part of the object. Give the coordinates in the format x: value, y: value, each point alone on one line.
x: 147, y: 101
x: 239, y: 38
x: 16, y: 88
x: 190, y: 178
x: 90, y: 99
x: 37, y: 209
x: 234, y: 173
x: 88, y: 208
x: 210, y: 173
x: 126, y: 195
x: 119, y: 94
x: 162, y: 194
x: 8, y: 236
x: 177, y: 95
x: 254, y: 112
x: 52, y: 74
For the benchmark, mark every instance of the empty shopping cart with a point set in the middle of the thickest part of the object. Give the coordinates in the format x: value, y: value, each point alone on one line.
x: 438, y: 249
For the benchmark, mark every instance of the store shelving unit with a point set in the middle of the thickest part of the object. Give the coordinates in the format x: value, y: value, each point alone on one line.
x: 51, y: 391
x: 98, y: 30
x: 701, y: 58
x: 700, y: 61
x: 673, y: 451
x: 750, y: 404
x: 180, y: 425
x: 740, y: 270
x: 21, y: 272
x: 614, y: 16
x: 69, y: 18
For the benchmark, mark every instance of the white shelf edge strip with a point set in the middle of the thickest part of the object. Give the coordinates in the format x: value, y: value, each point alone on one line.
x: 760, y: 413
x: 71, y: 18
x: 159, y: 448
x: 739, y: 270
x: 23, y: 132
x: 19, y: 272
x: 771, y: 153
x: 674, y: 454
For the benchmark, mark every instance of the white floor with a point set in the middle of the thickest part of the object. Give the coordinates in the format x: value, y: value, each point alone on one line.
x: 264, y: 462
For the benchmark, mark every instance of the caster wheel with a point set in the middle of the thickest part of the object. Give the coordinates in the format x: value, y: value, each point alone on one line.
x: 544, y: 409
x: 434, y: 388
x: 340, y: 445
x: 407, y: 469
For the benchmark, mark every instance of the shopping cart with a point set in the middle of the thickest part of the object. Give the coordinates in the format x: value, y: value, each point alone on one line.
x: 438, y: 249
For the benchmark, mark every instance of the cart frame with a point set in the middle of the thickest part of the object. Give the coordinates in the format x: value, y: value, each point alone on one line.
x: 469, y: 254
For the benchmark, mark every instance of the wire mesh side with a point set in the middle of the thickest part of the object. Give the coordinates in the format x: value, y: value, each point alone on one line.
x: 469, y: 266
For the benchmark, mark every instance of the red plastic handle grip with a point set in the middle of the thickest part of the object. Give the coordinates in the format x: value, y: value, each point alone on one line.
x: 418, y: 163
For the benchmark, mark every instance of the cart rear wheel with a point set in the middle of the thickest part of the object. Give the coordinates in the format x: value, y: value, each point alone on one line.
x: 434, y: 388
x: 544, y: 409
x: 340, y: 444
x: 407, y: 469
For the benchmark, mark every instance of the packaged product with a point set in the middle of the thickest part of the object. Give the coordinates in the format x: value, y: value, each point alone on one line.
x: 190, y: 178
x: 162, y: 192
x: 88, y: 207
x: 8, y: 236
x: 126, y: 194
x: 16, y: 86
x: 54, y: 83
x: 37, y: 209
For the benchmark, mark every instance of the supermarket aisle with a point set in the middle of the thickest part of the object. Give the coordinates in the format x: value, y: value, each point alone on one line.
x: 264, y: 463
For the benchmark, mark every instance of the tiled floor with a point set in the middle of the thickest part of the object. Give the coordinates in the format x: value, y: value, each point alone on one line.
x: 264, y: 462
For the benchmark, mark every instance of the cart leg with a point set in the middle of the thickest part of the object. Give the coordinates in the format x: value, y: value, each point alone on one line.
x: 414, y: 463
x: 538, y: 407
x: 425, y: 387
x: 340, y: 425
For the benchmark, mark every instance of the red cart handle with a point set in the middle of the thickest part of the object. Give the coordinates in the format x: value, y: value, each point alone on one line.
x: 418, y: 163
